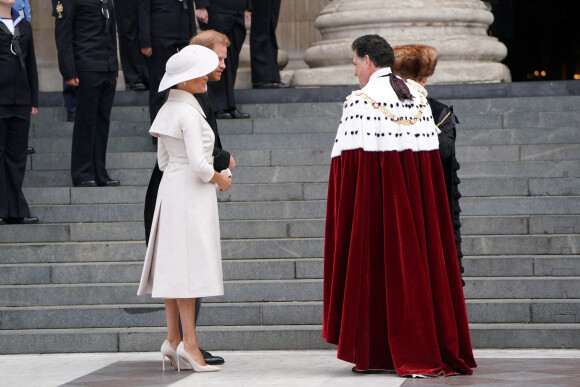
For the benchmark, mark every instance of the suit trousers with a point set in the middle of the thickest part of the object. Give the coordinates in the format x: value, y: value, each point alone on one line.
x: 132, y: 60
x: 233, y: 26
x: 263, y: 43
x: 95, y: 95
x: 14, y: 126
x: 162, y: 49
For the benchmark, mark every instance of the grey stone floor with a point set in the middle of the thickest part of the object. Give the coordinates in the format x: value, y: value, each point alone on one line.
x: 500, y: 368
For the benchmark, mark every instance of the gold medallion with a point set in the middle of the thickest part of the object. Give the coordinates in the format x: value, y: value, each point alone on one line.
x: 59, y: 9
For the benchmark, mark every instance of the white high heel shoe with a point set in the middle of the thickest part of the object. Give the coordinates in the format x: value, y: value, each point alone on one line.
x: 196, y: 367
x: 166, y: 350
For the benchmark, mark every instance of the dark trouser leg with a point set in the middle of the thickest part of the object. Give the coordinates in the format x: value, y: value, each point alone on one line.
x: 107, y: 95
x: 14, y: 126
x: 132, y: 60
x: 221, y: 93
x: 263, y: 43
x: 95, y: 95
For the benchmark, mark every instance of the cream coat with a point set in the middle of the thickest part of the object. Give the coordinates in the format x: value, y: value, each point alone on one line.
x: 183, y: 259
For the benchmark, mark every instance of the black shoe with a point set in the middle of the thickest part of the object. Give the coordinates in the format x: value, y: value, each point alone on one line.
x: 270, y: 85
x: 109, y: 183
x: 222, y: 115
x: 30, y: 150
x: 362, y: 372
x: 2, y: 221
x: 235, y: 113
x: 86, y: 183
x: 70, y: 118
x: 29, y: 220
x: 211, y: 359
x: 136, y: 87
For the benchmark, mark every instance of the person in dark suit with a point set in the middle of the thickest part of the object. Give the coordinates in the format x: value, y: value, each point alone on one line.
x: 222, y: 158
x: 165, y: 26
x: 18, y: 101
x: 68, y: 91
x: 133, y: 63
x: 228, y: 17
x: 86, y: 40
x: 264, y: 46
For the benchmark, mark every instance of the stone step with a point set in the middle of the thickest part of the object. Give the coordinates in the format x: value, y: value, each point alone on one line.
x: 520, y: 266
x: 116, y: 293
x: 127, y: 194
x: 274, y: 269
x: 511, y: 169
x: 285, y: 228
x: 125, y: 272
x: 487, y: 106
x: 286, y: 174
x: 273, y: 290
x: 519, y: 136
x: 125, y: 251
x: 276, y: 337
x: 303, y: 209
x: 287, y: 337
x: 266, y: 314
x: 120, y: 144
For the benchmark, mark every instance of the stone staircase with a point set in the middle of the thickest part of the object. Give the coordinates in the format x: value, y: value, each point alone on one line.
x: 69, y: 284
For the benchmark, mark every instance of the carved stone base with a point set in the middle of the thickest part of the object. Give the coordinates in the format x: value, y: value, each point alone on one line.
x: 456, y: 28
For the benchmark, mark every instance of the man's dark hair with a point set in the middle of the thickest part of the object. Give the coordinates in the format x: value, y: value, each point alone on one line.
x: 376, y: 47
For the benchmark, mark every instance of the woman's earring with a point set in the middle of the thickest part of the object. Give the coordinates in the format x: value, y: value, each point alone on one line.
x: 184, y: 83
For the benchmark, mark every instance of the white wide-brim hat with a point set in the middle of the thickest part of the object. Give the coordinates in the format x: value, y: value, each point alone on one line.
x: 191, y: 62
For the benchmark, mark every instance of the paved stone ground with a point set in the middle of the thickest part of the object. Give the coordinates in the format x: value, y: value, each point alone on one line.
x: 502, y: 368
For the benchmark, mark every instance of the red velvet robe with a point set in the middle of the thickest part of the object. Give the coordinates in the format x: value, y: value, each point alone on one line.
x: 393, y: 298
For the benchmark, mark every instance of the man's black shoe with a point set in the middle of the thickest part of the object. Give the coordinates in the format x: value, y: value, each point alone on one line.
x: 211, y: 359
x: 2, y: 221
x: 222, y: 115
x: 109, y: 183
x: 87, y: 183
x: 29, y: 220
x: 25, y: 220
x: 235, y: 113
x: 270, y: 85
x: 136, y: 87
x: 71, y: 118
x: 30, y: 150
x: 362, y: 372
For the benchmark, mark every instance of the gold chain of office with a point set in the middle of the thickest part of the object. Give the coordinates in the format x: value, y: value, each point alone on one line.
x: 391, y: 116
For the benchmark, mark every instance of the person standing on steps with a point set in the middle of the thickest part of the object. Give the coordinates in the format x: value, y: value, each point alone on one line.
x: 183, y: 259
x: 165, y: 27
x: 135, y: 70
x: 86, y: 40
x: 228, y: 17
x: 18, y: 101
x: 392, y: 294
x: 264, y: 46
x: 222, y: 159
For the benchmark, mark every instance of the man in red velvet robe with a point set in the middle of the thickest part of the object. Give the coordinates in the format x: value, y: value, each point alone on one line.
x: 393, y: 298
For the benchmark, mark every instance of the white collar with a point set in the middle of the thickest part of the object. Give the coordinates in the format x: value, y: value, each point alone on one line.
x: 380, y: 72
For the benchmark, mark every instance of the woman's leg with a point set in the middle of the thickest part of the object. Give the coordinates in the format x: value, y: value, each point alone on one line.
x: 172, y: 320
x: 187, y: 312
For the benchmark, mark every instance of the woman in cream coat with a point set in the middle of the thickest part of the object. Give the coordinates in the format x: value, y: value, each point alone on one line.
x: 183, y: 259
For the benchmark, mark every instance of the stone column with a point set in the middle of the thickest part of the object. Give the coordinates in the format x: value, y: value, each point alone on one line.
x: 456, y: 28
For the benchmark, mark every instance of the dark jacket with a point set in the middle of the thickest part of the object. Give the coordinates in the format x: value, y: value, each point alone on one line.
x: 85, y: 39
x: 169, y: 19
x: 229, y: 6
x: 446, y: 121
x: 19, y: 85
